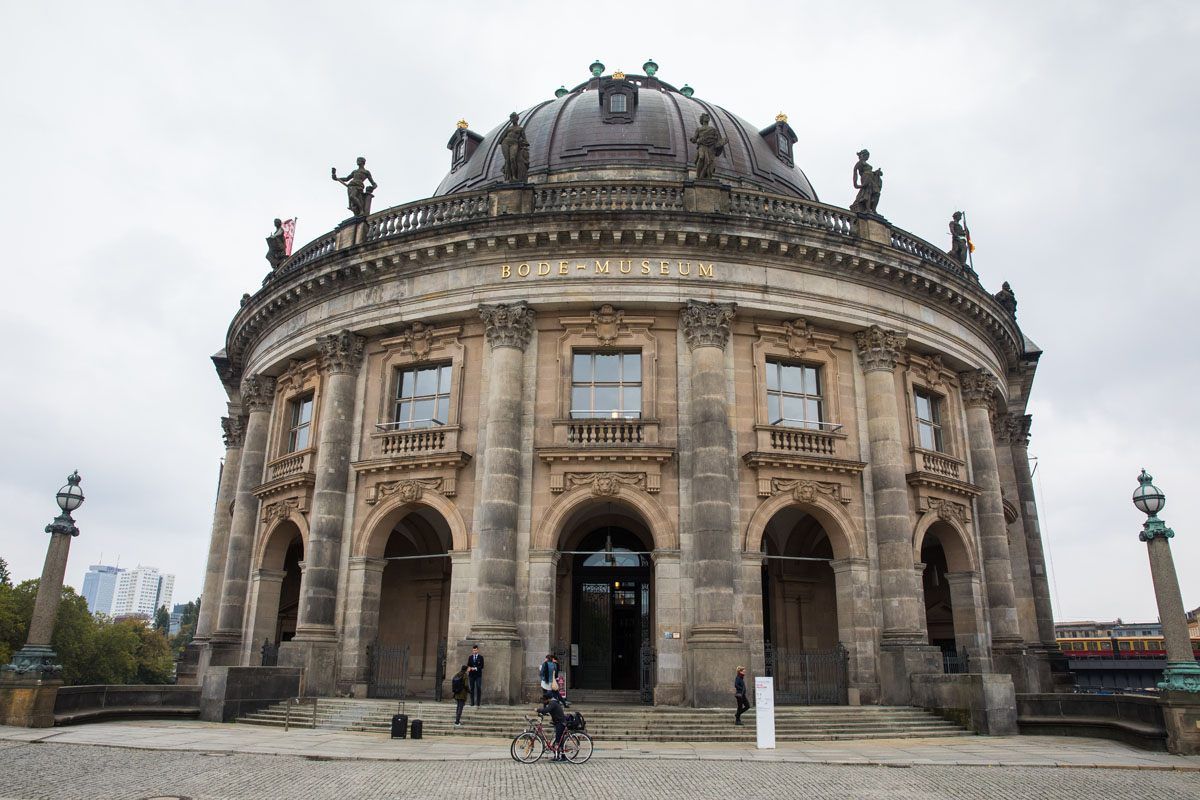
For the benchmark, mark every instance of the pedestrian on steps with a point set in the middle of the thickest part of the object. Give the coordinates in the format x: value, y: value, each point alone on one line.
x: 739, y: 692
x: 458, y: 688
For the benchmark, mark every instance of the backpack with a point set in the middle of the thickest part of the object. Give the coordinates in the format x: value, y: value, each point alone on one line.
x: 456, y: 684
x: 576, y: 722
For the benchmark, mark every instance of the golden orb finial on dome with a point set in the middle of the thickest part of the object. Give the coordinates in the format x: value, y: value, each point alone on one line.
x: 781, y: 117
x: 619, y: 75
x: 462, y: 123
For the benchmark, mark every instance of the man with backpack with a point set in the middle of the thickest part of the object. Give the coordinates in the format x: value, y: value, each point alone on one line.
x: 551, y: 706
x: 458, y: 688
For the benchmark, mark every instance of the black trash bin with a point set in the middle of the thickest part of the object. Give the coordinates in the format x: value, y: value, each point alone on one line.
x: 399, y: 726
x: 418, y: 728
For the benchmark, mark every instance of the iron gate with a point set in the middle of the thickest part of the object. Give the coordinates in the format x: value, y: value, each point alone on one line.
x: 439, y: 672
x: 646, y: 676
x: 270, y: 654
x: 389, y: 670
x: 808, y: 677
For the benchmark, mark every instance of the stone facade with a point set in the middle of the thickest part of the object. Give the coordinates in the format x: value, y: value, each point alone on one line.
x: 467, y: 480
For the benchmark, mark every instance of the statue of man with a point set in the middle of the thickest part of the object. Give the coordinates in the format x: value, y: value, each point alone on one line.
x: 515, y: 147
x: 959, y: 239
x: 710, y: 144
x: 355, y: 184
x: 869, y: 183
x: 277, y: 246
x: 1007, y: 298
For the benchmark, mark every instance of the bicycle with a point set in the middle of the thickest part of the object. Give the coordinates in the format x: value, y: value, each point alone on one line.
x: 577, y: 746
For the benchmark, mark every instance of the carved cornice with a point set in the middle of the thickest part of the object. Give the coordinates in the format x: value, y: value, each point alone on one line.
x: 929, y: 480
x: 417, y: 339
x: 799, y: 337
x: 341, y: 352
x: 880, y: 349
x: 979, y: 389
x: 408, y: 489
x: 806, y: 491
x: 707, y: 324
x: 233, y: 431
x: 283, y: 509
x: 604, y: 484
x: 934, y: 372
x: 947, y: 509
x: 1010, y: 428
x: 758, y: 459
x: 294, y: 377
x: 607, y: 323
x: 508, y: 325
x: 258, y: 393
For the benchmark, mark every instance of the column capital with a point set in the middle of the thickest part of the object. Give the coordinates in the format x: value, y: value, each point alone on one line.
x: 979, y: 389
x: 507, y: 325
x: 879, y: 349
x: 1011, y: 429
x: 258, y: 393
x: 707, y: 324
x: 233, y: 430
x: 341, y: 351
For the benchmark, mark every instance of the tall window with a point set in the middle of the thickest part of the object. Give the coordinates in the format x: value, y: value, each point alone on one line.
x: 794, y: 395
x: 423, y: 397
x: 617, y: 103
x: 606, y: 385
x: 299, y: 423
x: 929, y: 421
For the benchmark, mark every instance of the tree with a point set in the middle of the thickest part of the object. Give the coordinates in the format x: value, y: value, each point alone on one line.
x: 162, y: 620
x: 5, y: 577
x: 187, y: 627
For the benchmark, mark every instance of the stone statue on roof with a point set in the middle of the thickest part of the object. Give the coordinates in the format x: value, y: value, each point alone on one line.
x: 515, y: 148
x: 710, y: 144
x: 277, y: 246
x: 960, y: 237
x: 357, y: 191
x: 869, y: 183
x: 1008, y: 299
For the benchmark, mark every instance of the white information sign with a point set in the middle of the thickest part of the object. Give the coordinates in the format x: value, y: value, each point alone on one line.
x: 764, y: 712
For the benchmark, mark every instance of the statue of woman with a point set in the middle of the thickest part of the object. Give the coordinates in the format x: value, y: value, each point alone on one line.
x: 709, y: 146
x: 958, y: 239
x: 277, y: 246
x: 869, y: 183
x: 355, y: 191
x: 515, y: 147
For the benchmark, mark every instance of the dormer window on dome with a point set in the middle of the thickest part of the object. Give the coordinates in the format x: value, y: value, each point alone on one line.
x: 462, y: 144
x: 781, y: 137
x: 618, y: 99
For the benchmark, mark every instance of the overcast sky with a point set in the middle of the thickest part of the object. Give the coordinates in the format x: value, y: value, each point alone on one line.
x: 148, y: 146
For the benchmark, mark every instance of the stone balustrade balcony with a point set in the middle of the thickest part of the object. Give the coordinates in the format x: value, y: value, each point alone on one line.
x: 939, y: 464
x: 289, y: 471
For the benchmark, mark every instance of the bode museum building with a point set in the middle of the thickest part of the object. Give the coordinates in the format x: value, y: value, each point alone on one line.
x: 624, y: 390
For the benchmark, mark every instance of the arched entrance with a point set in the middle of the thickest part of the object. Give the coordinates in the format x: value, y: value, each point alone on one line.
x: 605, y: 598
x: 952, y: 596
x: 800, y: 611
x: 409, y: 649
x: 939, y: 606
x: 276, y: 592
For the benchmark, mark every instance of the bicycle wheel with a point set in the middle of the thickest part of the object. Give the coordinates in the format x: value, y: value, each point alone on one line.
x: 527, y: 748
x: 577, y: 747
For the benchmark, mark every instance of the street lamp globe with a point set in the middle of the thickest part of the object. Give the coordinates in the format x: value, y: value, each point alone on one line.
x: 1148, y: 498
x: 70, y: 497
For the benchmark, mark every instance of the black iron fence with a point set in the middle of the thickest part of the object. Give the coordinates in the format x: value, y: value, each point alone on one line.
x: 809, y: 677
x: 270, y: 654
x: 955, y: 662
x: 388, y: 670
x: 646, y: 675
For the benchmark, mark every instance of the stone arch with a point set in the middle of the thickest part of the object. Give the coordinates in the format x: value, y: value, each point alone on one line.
x: 372, y: 536
x: 960, y: 556
x: 549, y: 530
x: 838, y: 524
x: 274, y: 543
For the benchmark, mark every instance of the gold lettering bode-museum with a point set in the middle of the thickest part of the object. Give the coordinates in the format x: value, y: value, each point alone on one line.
x: 608, y: 266
x: 789, y: 432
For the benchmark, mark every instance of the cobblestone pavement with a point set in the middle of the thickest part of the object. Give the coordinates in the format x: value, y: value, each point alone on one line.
x: 65, y: 771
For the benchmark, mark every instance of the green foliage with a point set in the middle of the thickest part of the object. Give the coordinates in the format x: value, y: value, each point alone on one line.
x: 162, y: 619
x: 187, y: 627
x: 5, y: 576
x: 92, y: 649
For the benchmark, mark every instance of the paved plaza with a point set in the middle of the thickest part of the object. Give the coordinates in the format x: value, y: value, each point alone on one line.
x: 207, y: 761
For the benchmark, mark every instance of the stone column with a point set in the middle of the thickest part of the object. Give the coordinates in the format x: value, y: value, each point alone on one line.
x: 979, y: 389
x: 265, y: 587
x: 856, y: 627
x: 970, y: 627
x: 258, y: 394
x: 540, y: 605
x: 1004, y: 428
x: 715, y: 645
x: 1033, y: 534
x: 668, y: 618
x: 315, y: 645
x: 509, y: 329
x: 904, y: 648
x: 364, y: 582
x: 234, y: 429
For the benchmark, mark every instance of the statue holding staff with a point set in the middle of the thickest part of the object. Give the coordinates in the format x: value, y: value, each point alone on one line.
x: 356, y: 188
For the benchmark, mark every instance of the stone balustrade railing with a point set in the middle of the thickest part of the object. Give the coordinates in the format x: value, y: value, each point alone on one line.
x: 793, y: 211
x: 412, y: 442
x: 424, y: 214
x: 608, y: 197
x: 605, y: 432
x: 290, y: 464
x: 799, y: 440
x: 310, y: 252
x: 939, y: 464
x: 923, y: 250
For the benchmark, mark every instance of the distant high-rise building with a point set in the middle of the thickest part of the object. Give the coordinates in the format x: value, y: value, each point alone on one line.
x: 176, y: 618
x: 142, y: 591
x: 99, y: 587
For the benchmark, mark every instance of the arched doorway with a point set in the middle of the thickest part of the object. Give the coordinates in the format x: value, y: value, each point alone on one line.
x: 414, y: 607
x: 606, y: 600
x: 289, y: 591
x: 800, y: 611
x: 951, y: 588
x: 939, y: 606
x: 276, y: 592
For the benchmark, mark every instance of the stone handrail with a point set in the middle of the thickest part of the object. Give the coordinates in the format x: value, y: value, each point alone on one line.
x: 423, y: 214
x: 608, y: 197
x: 605, y: 431
x: 310, y: 252
x: 290, y: 464
x: 408, y: 441
x: 801, y: 440
x: 940, y: 464
x: 792, y: 210
x: 923, y: 250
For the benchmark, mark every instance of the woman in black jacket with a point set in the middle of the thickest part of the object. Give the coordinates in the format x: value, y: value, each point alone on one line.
x: 739, y: 691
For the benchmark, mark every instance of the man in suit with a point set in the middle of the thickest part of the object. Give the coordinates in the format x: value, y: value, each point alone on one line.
x: 475, y: 675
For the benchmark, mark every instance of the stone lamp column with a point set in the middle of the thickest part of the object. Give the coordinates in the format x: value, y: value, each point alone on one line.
x: 1180, y: 685
x: 29, y: 684
x: 314, y: 647
x: 258, y: 395
x: 904, y: 645
x: 715, y: 645
x: 509, y: 329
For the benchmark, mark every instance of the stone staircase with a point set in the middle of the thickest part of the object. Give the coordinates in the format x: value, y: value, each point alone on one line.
x: 620, y: 722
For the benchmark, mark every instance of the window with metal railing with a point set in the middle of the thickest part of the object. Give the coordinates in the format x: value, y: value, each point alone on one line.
x: 422, y: 397
x: 794, y: 395
x: 299, y: 423
x: 606, y: 385
x: 929, y: 421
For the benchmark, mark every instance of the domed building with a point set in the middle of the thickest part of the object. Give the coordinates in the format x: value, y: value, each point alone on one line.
x: 624, y: 390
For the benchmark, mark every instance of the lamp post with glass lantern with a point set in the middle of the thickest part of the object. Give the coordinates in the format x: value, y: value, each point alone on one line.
x: 35, y: 661
x: 1182, y: 673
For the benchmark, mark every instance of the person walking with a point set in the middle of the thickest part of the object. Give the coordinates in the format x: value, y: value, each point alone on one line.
x: 548, y: 676
x: 475, y: 675
x: 458, y: 690
x: 739, y: 692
